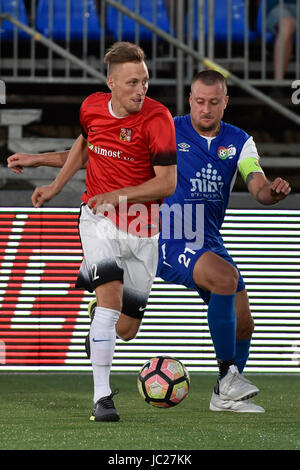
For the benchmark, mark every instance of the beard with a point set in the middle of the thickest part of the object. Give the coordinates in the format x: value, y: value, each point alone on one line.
x: 208, y: 128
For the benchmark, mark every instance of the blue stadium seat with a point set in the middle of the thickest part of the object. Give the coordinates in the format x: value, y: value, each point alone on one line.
x: 269, y: 36
x: 128, y: 25
x: 221, y: 21
x: 59, y: 15
x: 17, y: 10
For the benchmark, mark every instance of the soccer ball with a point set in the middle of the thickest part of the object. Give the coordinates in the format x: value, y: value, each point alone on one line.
x: 163, y: 381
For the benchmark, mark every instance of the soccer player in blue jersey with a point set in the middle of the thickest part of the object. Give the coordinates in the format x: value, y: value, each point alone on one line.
x: 209, y: 154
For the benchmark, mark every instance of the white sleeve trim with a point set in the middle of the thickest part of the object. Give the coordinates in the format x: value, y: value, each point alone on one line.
x: 249, y: 150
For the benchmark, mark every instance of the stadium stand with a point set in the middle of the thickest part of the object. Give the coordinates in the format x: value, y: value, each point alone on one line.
x: 37, y: 77
x: 269, y: 37
x: 123, y: 27
x: 16, y: 142
x: 225, y: 21
x: 56, y: 23
x: 18, y: 10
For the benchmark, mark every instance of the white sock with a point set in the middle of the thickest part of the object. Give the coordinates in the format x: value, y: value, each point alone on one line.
x: 103, y: 341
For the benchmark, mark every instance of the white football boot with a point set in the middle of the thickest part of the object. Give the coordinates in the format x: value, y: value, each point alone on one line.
x: 233, y: 386
x: 240, y: 406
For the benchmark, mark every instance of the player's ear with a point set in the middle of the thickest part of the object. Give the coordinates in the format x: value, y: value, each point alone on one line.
x: 109, y: 82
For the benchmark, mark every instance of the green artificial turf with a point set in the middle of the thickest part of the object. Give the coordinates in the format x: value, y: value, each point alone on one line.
x: 51, y: 412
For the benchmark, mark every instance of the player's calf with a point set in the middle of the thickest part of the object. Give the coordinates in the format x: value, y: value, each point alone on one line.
x: 126, y: 327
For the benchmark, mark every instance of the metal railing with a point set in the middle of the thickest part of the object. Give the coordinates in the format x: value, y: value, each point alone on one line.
x: 193, y: 41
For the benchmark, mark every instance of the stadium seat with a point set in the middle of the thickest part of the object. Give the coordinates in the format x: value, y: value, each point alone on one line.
x: 16, y: 9
x: 259, y: 26
x: 221, y: 21
x: 128, y: 26
x: 59, y: 22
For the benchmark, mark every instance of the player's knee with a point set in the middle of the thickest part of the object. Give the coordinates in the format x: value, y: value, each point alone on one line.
x: 233, y: 279
x: 226, y: 282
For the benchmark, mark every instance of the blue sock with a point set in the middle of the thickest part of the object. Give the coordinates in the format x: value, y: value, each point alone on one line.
x: 221, y: 319
x: 242, y: 353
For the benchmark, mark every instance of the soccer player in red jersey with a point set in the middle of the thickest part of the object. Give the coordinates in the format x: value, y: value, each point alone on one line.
x: 128, y: 144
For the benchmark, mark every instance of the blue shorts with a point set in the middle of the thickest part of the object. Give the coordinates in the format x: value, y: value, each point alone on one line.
x: 177, y: 261
x: 288, y: 11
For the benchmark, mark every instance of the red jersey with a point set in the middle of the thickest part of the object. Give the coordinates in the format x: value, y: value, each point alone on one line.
x: 123, y: 152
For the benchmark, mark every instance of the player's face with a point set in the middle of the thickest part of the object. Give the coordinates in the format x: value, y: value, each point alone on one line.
x: 207, y: 104
x: 128, y: 83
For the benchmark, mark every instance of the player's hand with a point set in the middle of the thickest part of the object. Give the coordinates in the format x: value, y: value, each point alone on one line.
x: 18, y: 161
x: 42, y: 194
x: 104, y: 202
x: 280, y: 189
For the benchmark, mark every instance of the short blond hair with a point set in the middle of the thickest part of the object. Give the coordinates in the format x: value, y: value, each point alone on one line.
x: 121, y: 52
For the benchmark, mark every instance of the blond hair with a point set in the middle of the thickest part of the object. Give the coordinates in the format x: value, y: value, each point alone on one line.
x: 121, y: 52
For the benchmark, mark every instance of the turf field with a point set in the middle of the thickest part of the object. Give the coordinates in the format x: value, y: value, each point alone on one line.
x: 51, y: 411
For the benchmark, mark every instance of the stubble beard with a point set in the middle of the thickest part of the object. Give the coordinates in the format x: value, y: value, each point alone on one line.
x: 214, y: 127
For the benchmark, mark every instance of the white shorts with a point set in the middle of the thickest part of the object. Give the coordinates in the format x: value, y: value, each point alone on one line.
x: 111, y: 254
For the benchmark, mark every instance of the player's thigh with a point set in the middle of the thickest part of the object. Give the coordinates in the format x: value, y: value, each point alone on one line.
x: 139, y: 262
x: 177, y: 261
x: 215, y: 274
x: 101, y: 250
x: 245, y: 323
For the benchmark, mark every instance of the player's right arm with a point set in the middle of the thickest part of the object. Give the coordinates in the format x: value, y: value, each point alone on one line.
x: 76, y: 159
x: 18, y: 161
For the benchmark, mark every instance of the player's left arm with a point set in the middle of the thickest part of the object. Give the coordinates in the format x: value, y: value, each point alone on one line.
x: 262, y: 190
x: 163, y: 184
x: 266, y: 192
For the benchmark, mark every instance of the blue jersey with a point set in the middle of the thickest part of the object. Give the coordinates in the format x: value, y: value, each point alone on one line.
x: 192, y: 217
x: 206, y: 171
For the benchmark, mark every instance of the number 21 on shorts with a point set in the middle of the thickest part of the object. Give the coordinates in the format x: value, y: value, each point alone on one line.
x: 184, y: 257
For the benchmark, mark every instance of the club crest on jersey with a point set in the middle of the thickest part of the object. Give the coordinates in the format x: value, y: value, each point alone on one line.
x: 125, y: 134
x: 224, y: 152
